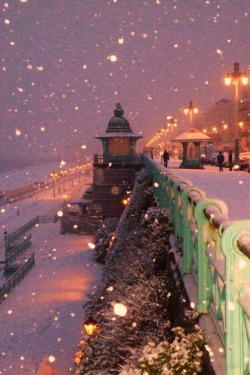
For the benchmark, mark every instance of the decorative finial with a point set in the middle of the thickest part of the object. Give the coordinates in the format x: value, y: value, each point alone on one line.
x: 236, y: 67
x: 118, y: 112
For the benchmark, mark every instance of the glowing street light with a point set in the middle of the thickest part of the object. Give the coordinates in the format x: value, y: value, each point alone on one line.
x: 171, y: 124
x: 190, y: 110
x: 90, y: 325
x: 235, y: 78
x: 54, y: 175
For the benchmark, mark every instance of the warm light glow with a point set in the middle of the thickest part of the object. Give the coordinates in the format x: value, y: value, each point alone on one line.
x: 241, y: 123
x: 228, y: 80
x: 186, y: 111
x: 214, y: 129
x: 195, y: 110
x: 244, y: 80
x: 225, y: 126
x: 90, y: 325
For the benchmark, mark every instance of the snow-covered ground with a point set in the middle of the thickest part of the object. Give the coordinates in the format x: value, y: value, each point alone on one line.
x: 19, y: 177
x: 42, y: 317
x: 231, y: 187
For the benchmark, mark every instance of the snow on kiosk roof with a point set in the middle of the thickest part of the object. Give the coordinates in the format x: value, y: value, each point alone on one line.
x: 191, y: 135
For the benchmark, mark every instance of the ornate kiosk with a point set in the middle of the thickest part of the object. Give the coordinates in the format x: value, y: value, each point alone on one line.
x: 191, y: 140
x: 114, y: 171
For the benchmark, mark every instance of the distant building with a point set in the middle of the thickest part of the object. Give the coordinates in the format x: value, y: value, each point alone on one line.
x: 218, y: 122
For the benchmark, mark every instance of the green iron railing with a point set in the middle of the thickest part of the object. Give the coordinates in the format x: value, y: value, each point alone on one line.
x: 12, y: 253
x: 16, y: 277
x: 216, y: 251
x: 14, y: 236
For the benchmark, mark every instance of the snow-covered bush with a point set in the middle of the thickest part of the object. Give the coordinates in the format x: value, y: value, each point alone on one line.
x: 182, y: 356
x: 103, y: 237
x: 139, y: 300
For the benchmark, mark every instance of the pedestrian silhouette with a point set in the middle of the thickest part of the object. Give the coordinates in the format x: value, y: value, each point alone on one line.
x: 165, y: 157
x: 230, y: 160
x: 220, y: 159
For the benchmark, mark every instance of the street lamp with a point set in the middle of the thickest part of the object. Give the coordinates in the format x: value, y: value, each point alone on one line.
x: 90, y: 325
x: 171, y: 123
x: 54, y: 175
x: 235, y: 78
x: 190, y: 110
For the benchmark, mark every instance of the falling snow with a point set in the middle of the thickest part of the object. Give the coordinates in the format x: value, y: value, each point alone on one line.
x: 64, y: 67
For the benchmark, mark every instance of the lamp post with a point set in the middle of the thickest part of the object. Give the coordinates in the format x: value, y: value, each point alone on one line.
x: 235, y: 78
x: 190, y: 110
x: 171, y: 124
x: 54, y: 175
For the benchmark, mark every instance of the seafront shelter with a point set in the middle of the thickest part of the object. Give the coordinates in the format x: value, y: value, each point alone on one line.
x: 191, y: 141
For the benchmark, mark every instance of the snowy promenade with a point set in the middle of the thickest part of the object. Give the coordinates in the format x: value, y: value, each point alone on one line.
x: 42, y: 317
x: 231, y: 187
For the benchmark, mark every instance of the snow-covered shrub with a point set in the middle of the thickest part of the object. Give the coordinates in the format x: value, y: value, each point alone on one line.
x: 103, y: 238
x: 182, y: 356
x: 139, y: 276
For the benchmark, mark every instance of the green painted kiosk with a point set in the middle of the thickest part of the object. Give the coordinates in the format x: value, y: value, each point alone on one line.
x: 191, y: 140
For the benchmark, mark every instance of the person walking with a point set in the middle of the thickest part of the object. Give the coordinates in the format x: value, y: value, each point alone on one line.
x: 165, y: 157
x: 220, y: 159
x: 230, y: 160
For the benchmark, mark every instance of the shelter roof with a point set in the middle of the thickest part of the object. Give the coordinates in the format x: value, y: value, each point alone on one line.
x: 192, y: 134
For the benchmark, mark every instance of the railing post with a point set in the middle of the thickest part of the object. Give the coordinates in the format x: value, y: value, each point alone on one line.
x: 203, y: 236
x: 237, y: 284
x: 178, y: 207
x: 188, y: 220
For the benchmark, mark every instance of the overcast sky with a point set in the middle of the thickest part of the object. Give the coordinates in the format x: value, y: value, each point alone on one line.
x: 66, y: 63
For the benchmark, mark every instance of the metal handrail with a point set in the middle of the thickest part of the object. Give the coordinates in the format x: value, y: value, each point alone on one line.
x: 12, y: 253
x: 14, y: 236
x: 216, y: 251
x: 16, y: 277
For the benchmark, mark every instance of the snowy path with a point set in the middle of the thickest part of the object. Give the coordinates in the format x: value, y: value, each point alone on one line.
x: 14, y: 215
x: 43, y: 315
x: 231, y: 187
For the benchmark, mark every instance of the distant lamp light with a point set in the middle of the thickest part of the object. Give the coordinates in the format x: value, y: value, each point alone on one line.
x: 241, y: 123
x: 190, y: 110
x: 228, y: 80
x: 244, y: 80
x: 90, y: 325
x: 125, y: 201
